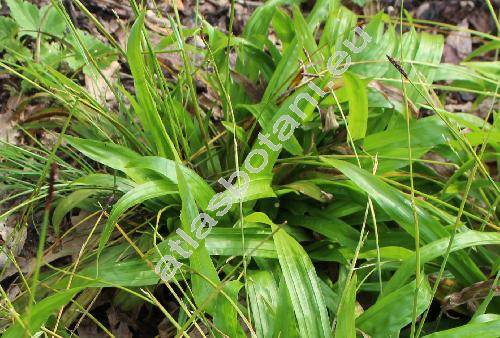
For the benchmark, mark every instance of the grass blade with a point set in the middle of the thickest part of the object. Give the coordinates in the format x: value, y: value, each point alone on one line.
x: 346, y: 314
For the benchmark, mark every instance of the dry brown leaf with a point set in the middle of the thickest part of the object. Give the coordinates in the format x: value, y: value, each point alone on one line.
x: 458, y: 44
x: 255, y: 92
x: 98, y: 87
x: 393, y: 93
x: 89, y: 329
x: 69, y: 246
x: 328, y: 119
x: 464, y: 107
x: 118, y: 324
x: 470, y: 295
x: 12, y: 240
x: 8, y: 119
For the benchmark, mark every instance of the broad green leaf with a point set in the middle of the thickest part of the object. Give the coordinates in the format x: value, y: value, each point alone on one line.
x: 334, y: 229
x: 358, y: 105
x: 283, y: 111
x: 26, y: 15
x: 408, y: 46
x: 302, y: 282
x: 338, y: 28
x: 203, y: 291
x: 429, y: 51
x: 104, y: 181
x: 285, y: 323
x: 228, y: 242
x: 463, y: 75
x: 199, y: 260
x: 135, y: 272
x: 259, y: 187
x: 264, y: 113
x: 111, y: 270
x: 258, y: 24
x: 488, y: 68
x: 239, y: 131
x: 304, y: 35
x: 134, y: 197
x: 332, y: 299
x: 112, y: 155
x: 263, y: 295
x: 225, y: 316
x: 320, y: 11
x: 109, y: 154
x: 67, y: 203
x: 282, y: 76
x: 201, y: 190
x: 307, y: 188
x: 377, y: 44
x: 437, y: 249
x: 388, y: 252
x: 425, y: 133
x: 488, y: 329
x: 486, y: 317
x: 256, y: 27
x: 283, y: 26
x: 393, y: 312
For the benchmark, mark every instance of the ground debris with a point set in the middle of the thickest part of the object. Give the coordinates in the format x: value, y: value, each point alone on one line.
x: 470, y: 296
